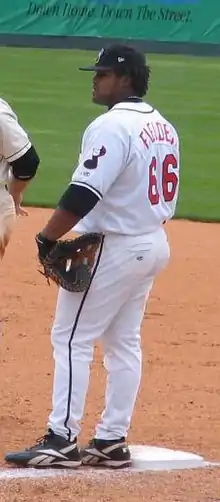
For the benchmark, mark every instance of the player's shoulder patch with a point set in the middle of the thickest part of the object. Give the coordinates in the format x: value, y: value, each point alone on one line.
x: 92, y: 162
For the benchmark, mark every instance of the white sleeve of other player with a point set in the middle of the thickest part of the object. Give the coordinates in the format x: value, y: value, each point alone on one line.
x: 102, y: 158
x: 14, y: 141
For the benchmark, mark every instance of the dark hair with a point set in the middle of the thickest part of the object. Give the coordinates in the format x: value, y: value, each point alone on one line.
x: 139, y: 79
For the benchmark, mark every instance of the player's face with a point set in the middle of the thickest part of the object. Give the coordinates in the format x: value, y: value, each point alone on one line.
x: 106, y: 88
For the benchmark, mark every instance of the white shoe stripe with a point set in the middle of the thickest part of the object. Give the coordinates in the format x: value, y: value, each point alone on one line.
x: 67, y: 449
x: 41, y: 460
x: 45, y: 461
x: 113, y: 447
x: 95, y: 453
x: 51, y: 453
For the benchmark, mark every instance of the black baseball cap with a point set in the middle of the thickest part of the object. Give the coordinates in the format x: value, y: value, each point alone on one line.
x: 117, y: 57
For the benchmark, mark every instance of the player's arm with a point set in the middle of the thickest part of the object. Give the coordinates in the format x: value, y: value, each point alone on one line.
x: 101, y: 161
x: 23, y: 170
x: 20, y: 154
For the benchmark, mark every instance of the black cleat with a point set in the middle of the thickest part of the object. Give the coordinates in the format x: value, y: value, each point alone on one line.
x: 113, y: 454
x: 50, y: 451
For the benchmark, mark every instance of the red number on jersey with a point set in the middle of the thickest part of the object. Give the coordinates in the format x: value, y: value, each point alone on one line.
x: 169, y: 180
x: 153, y: 193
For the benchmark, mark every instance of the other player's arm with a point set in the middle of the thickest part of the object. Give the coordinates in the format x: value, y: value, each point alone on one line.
x: 20, y: 154
x: 23, y: 170
x: 89, y: 184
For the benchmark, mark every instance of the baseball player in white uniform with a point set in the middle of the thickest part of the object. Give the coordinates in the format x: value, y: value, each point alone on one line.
x: 125, y: 186
x: 18, y: 165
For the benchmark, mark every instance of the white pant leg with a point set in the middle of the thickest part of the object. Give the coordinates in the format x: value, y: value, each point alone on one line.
x: 123, y: 364
x: 123, y: 355
x: 71, y: 373
x: 81, y: 318
x: 7, y: 218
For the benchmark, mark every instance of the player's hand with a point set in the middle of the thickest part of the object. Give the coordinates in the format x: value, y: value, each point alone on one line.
x: 20, y: 211
x: 44, y: 246
x: 18, y: 208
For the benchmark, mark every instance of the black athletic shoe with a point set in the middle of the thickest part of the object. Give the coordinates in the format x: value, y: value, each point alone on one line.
x: 114, y: 454
x: 50, y: 451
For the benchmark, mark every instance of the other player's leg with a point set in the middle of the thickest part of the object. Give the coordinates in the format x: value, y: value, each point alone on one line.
x: 7, y: 219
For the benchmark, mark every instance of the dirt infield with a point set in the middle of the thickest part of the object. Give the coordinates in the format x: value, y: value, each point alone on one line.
x: 179, y: 402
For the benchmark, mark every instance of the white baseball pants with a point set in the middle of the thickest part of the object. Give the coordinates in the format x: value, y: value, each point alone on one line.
x: 7, y: 218
x: 111, y: 310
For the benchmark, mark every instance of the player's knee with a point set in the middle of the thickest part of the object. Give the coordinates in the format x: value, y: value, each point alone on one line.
x: 6, y: 227
x: 64, y: 342
x: 125, y: 355
x: 83, y: 350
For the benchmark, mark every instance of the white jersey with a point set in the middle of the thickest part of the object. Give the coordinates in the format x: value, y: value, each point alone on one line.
x: 130, y: 159
x: 14, y: 141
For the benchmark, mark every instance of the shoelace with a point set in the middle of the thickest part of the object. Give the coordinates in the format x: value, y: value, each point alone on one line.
x: 40, y: 441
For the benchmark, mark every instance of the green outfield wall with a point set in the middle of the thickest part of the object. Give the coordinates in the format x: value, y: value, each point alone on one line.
x: 69, y: 23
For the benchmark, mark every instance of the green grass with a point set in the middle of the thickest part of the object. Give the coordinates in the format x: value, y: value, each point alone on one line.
x: 52, y: 99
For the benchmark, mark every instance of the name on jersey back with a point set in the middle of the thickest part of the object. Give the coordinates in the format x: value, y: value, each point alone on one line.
x: 156, y: 132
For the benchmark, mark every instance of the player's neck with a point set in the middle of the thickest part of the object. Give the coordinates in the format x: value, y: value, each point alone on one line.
x: 126, y: 98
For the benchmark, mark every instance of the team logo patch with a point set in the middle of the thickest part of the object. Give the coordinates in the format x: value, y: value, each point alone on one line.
x: 93, y: 162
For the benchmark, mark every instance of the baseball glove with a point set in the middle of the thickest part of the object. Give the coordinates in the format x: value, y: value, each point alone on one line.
x: 69, y: 263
